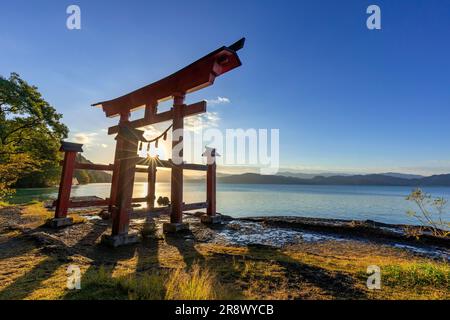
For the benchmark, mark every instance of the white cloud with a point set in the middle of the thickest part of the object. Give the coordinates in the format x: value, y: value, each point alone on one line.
x: 85, y: 138
x: 152, y: 132
x: 202, y: 121
x: 219, y: 100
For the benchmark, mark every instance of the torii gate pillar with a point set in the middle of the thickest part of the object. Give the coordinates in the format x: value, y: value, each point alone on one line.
x: 124, y: 118
x: 62, y: 204
x: 176, y: 214
x: 211, y: 216
x: 127, y: 145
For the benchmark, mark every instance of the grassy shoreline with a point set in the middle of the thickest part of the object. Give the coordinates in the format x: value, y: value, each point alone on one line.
x: 34, y: 261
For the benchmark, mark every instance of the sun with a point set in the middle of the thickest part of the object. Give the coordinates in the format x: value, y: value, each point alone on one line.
x: 153, y: 152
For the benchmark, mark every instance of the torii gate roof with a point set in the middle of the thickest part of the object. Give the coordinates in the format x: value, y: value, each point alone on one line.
x: 195, y: 76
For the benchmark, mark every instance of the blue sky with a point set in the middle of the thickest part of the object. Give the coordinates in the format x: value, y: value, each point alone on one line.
x: 345, y: 98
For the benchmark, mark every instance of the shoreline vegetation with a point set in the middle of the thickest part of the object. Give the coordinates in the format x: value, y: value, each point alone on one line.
x: 250, y: 258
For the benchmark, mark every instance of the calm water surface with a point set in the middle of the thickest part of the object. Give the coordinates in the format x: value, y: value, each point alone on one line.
x: 384, y: 204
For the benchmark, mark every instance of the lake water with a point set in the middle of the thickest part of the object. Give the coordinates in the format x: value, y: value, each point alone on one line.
x: 383, y: 204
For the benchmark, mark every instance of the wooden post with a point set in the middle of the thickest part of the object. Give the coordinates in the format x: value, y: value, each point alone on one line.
x: 210, y: 216
x: 65, y: 185
x: 151, y: 187
x: 124, y: 117
x: 115, y: 178
x: 211, y: 183
x: 127, y: 165
x: 126, y: 157
x: 176, y: 215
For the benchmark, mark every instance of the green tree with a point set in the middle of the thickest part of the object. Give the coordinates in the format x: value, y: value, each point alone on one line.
x: 30, y: 133
x: 82, y: 177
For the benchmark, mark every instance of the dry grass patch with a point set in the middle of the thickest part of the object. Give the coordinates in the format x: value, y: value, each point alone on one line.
x: 197, y: 283
x: 41, y: 214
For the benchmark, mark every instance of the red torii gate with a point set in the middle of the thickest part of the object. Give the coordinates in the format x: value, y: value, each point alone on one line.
x: 195, y: 76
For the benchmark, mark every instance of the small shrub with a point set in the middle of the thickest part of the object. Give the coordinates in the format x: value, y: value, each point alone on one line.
x: 413, y: 232
x: 431, y: 213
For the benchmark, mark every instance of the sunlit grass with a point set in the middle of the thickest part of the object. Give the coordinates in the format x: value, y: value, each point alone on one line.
x: 197, y: 283
x: 37, y: 210
x: 4, y: 204
x: 418, y: 275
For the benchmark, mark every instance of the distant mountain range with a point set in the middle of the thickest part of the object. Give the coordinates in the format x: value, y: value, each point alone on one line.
x: 333, y: 174
x: 389, y: 179
x: 384, y: 179
x: 402, y: 175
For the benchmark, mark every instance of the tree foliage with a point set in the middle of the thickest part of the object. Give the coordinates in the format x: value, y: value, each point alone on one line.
x: 90, y: 176
x: 30, y: 133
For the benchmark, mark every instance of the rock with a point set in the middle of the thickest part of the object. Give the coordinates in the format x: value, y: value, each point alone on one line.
x: 163, y: 201
x: 105, y: 214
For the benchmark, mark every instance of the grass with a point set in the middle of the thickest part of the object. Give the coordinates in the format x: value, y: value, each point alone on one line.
x: 4, y: 204
x: 36, y: 209
x: 100, y: 284
x: 421, y: 280
x: 198, y: 283
x: 226, y: 273
x: 174, y: 268
x: 418, y: 275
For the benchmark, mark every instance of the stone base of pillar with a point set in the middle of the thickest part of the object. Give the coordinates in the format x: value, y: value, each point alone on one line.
x: 105, y: 214
x: 210, y: 219
x: 175, y: 227
x: 120, y: 240
x: 59, y: 222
